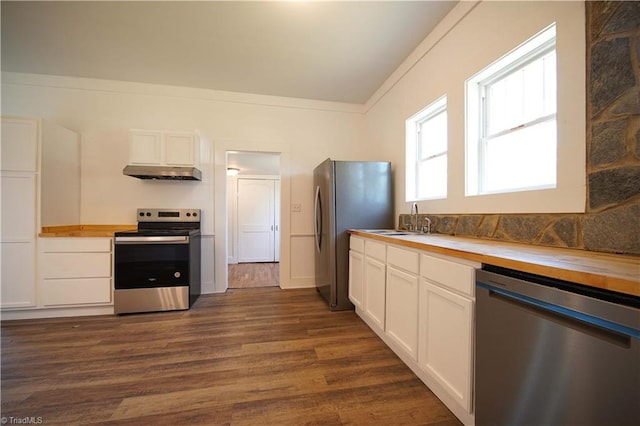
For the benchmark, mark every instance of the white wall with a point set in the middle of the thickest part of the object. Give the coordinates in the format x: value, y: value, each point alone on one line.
x: 103, y: 111
x: 304, y: 132
x: 470, y: 38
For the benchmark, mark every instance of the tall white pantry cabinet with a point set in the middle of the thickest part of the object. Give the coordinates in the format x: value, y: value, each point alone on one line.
x: 19, y: 180
x: 40, y: 186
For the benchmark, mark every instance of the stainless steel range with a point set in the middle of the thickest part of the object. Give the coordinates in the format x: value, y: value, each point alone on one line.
x: 157, y: 267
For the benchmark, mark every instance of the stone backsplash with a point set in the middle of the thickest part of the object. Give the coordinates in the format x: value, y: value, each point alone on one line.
x: 611, y: 222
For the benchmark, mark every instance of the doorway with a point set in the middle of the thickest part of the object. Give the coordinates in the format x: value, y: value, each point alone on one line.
x: 253, y: 213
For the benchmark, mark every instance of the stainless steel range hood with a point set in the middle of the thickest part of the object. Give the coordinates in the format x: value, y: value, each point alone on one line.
x: 162, y: 172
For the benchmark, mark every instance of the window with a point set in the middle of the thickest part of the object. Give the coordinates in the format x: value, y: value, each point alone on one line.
x: 426, y: 136
x: 511, y: 120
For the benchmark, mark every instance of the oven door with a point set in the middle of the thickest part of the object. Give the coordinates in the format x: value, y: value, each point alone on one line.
x: 151, y: 262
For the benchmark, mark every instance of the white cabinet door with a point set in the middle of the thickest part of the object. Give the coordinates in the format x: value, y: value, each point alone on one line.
x: 375, y: 291
x: 446, y: 340
x: 18, y: 275
x: 19, y: 149
x: 18, y: 206
x: 179, y: 149
x: 402, y: 310
x: 162, y: 148
x: 145, y: 147
x: 18, y: 192
x: 356, y: 278
x: 256, y: 227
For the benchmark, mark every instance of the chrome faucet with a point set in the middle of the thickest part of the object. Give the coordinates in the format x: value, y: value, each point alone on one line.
x: 415, y: 221
x: 413, y: 225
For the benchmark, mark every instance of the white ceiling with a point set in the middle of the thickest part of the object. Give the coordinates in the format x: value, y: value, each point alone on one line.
x: 326, y: 50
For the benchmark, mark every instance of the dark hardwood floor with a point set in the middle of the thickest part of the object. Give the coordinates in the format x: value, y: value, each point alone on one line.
x: 253, y: 356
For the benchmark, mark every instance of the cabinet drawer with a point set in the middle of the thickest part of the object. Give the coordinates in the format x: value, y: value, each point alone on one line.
x: 76, y: 265
x: 73, y: 245
x: 356, y: 244
x: 449, y: 274
x: 375, y: 250
x: 78, y: 291
x: 404, y: 259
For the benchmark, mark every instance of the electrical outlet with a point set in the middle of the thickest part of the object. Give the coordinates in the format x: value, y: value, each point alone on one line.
x: 296, y: 207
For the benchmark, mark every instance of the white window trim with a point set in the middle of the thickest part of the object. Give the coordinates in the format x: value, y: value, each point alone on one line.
x: 569, y: 195
x: 475, y: 123
x: 412, y: 130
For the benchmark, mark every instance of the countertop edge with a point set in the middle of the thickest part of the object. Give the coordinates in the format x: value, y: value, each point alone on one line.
x: 601, y: 270
x: 62, y: 231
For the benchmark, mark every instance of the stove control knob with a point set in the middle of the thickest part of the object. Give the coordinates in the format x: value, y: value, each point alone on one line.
x: 188, y: 214
x: 141, y: 213
x: 148, y: 214
x: 195, y: 214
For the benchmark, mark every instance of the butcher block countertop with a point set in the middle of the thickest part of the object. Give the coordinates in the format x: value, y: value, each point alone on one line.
x: 84, y: 230
x: 606, y: 271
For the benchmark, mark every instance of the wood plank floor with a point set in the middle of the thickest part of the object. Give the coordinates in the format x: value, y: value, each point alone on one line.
x: 247, y: 357
x: 252, y: 275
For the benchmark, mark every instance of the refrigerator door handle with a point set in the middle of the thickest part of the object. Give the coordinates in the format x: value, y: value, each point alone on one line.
x: 317, y: 219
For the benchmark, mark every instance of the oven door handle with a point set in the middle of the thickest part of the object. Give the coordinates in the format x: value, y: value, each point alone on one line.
x: 153, y: 240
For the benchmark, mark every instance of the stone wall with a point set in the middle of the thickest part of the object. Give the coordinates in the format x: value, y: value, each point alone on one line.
x: 611, y: 222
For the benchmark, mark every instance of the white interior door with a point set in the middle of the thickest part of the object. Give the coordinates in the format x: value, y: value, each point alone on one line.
x: 256, y: 225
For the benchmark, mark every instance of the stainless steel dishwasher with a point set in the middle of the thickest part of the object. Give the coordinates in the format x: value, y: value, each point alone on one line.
x: 551, y: 352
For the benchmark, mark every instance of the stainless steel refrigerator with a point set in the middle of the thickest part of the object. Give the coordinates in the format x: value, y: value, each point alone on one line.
x: 348, y: 195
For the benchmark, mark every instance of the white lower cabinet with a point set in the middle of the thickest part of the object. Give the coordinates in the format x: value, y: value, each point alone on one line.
x: 446, y: 329
x: 446, y: 340
x: 75, y: 271
x: 18, y: 274
x: 422, y: 305
x: 402, y: 299
x: 375, y: 283
x: 356, y: 272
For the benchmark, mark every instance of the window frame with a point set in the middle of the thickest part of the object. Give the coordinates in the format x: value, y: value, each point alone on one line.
x: 413, y: 135
x: 477, y: 111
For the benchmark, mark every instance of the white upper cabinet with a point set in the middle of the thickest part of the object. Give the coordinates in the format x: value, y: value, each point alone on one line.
x: 18, y: 195
x: 163, y: 148
x: 144, y: 147
x: 180, y: 149
x: 19, y: 151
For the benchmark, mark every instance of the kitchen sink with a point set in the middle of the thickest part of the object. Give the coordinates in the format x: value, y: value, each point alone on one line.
x: 387, y: 232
